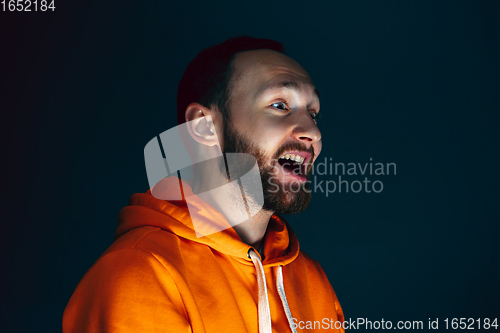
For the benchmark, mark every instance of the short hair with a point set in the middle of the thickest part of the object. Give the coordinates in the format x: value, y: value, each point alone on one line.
x: 207, y: 78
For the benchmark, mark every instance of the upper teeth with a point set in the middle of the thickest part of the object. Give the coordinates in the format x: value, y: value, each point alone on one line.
x: 293, y: 157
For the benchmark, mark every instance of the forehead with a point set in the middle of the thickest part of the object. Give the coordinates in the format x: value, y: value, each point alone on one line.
x: 260, y: 69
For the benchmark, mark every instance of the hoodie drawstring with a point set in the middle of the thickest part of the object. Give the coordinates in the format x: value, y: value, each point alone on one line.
x: 263, y: 306
x: 281, y: 292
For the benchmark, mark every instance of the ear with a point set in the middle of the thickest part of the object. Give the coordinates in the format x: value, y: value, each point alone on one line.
x: 200, y: 124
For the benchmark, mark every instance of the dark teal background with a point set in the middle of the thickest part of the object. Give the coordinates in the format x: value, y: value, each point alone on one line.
x: 84, y: 88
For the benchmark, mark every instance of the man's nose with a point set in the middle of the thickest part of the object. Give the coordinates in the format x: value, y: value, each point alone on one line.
x: 305, y: 129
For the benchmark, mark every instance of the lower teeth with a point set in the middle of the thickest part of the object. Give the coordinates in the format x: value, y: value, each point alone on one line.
x: 291, y: 166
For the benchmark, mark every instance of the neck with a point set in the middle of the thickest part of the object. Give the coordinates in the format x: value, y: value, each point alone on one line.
x: 253, y: 230
x: 226, y: 198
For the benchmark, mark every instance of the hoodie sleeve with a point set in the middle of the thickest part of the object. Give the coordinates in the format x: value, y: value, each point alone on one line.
x: 127, y: 290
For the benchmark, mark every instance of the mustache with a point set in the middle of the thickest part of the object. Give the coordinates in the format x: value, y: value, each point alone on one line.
x: 294, y: 146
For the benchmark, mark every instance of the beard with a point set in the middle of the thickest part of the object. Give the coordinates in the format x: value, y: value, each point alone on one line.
x: 280, y: 198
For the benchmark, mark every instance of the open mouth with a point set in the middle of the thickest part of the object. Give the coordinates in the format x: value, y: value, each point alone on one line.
x: 294, y: 164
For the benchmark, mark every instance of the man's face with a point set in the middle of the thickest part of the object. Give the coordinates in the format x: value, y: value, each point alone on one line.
x: 272, y: 105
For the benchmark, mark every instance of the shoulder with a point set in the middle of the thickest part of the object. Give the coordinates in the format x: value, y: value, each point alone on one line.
x: 132, y: 264
x: 312, y: 266
x: 307, y: 272
x: 147, y: 245
x: 310, y: 279
x: 128, y: 283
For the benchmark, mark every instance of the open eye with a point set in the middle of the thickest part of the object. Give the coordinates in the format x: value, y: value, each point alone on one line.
x: 280, y: 106
x: 315, y: 116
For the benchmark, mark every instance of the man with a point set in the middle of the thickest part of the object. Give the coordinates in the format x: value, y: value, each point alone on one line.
x: 160, y: 275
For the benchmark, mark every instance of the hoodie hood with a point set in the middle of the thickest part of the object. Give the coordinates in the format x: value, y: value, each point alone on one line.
x: 280, y: 243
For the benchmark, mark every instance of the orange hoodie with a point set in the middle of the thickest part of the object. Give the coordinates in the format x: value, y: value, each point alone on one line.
x: 158, y: 276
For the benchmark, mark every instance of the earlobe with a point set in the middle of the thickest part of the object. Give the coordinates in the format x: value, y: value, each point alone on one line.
x: 200, y: 124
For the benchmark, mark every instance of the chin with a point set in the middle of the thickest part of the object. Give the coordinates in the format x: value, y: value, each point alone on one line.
x: 287, y: 200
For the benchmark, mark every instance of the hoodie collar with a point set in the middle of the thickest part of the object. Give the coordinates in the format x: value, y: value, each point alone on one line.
x: 280, y: 243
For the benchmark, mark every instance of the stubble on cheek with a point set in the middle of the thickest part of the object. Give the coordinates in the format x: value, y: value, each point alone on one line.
x: 280, y: 197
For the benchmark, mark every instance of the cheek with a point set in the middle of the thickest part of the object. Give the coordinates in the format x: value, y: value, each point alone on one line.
x: 270, y: 125
x: 269, y: 136
x: 268, y: 132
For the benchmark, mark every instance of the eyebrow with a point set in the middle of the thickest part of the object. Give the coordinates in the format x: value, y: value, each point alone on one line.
x: 284, y: 84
